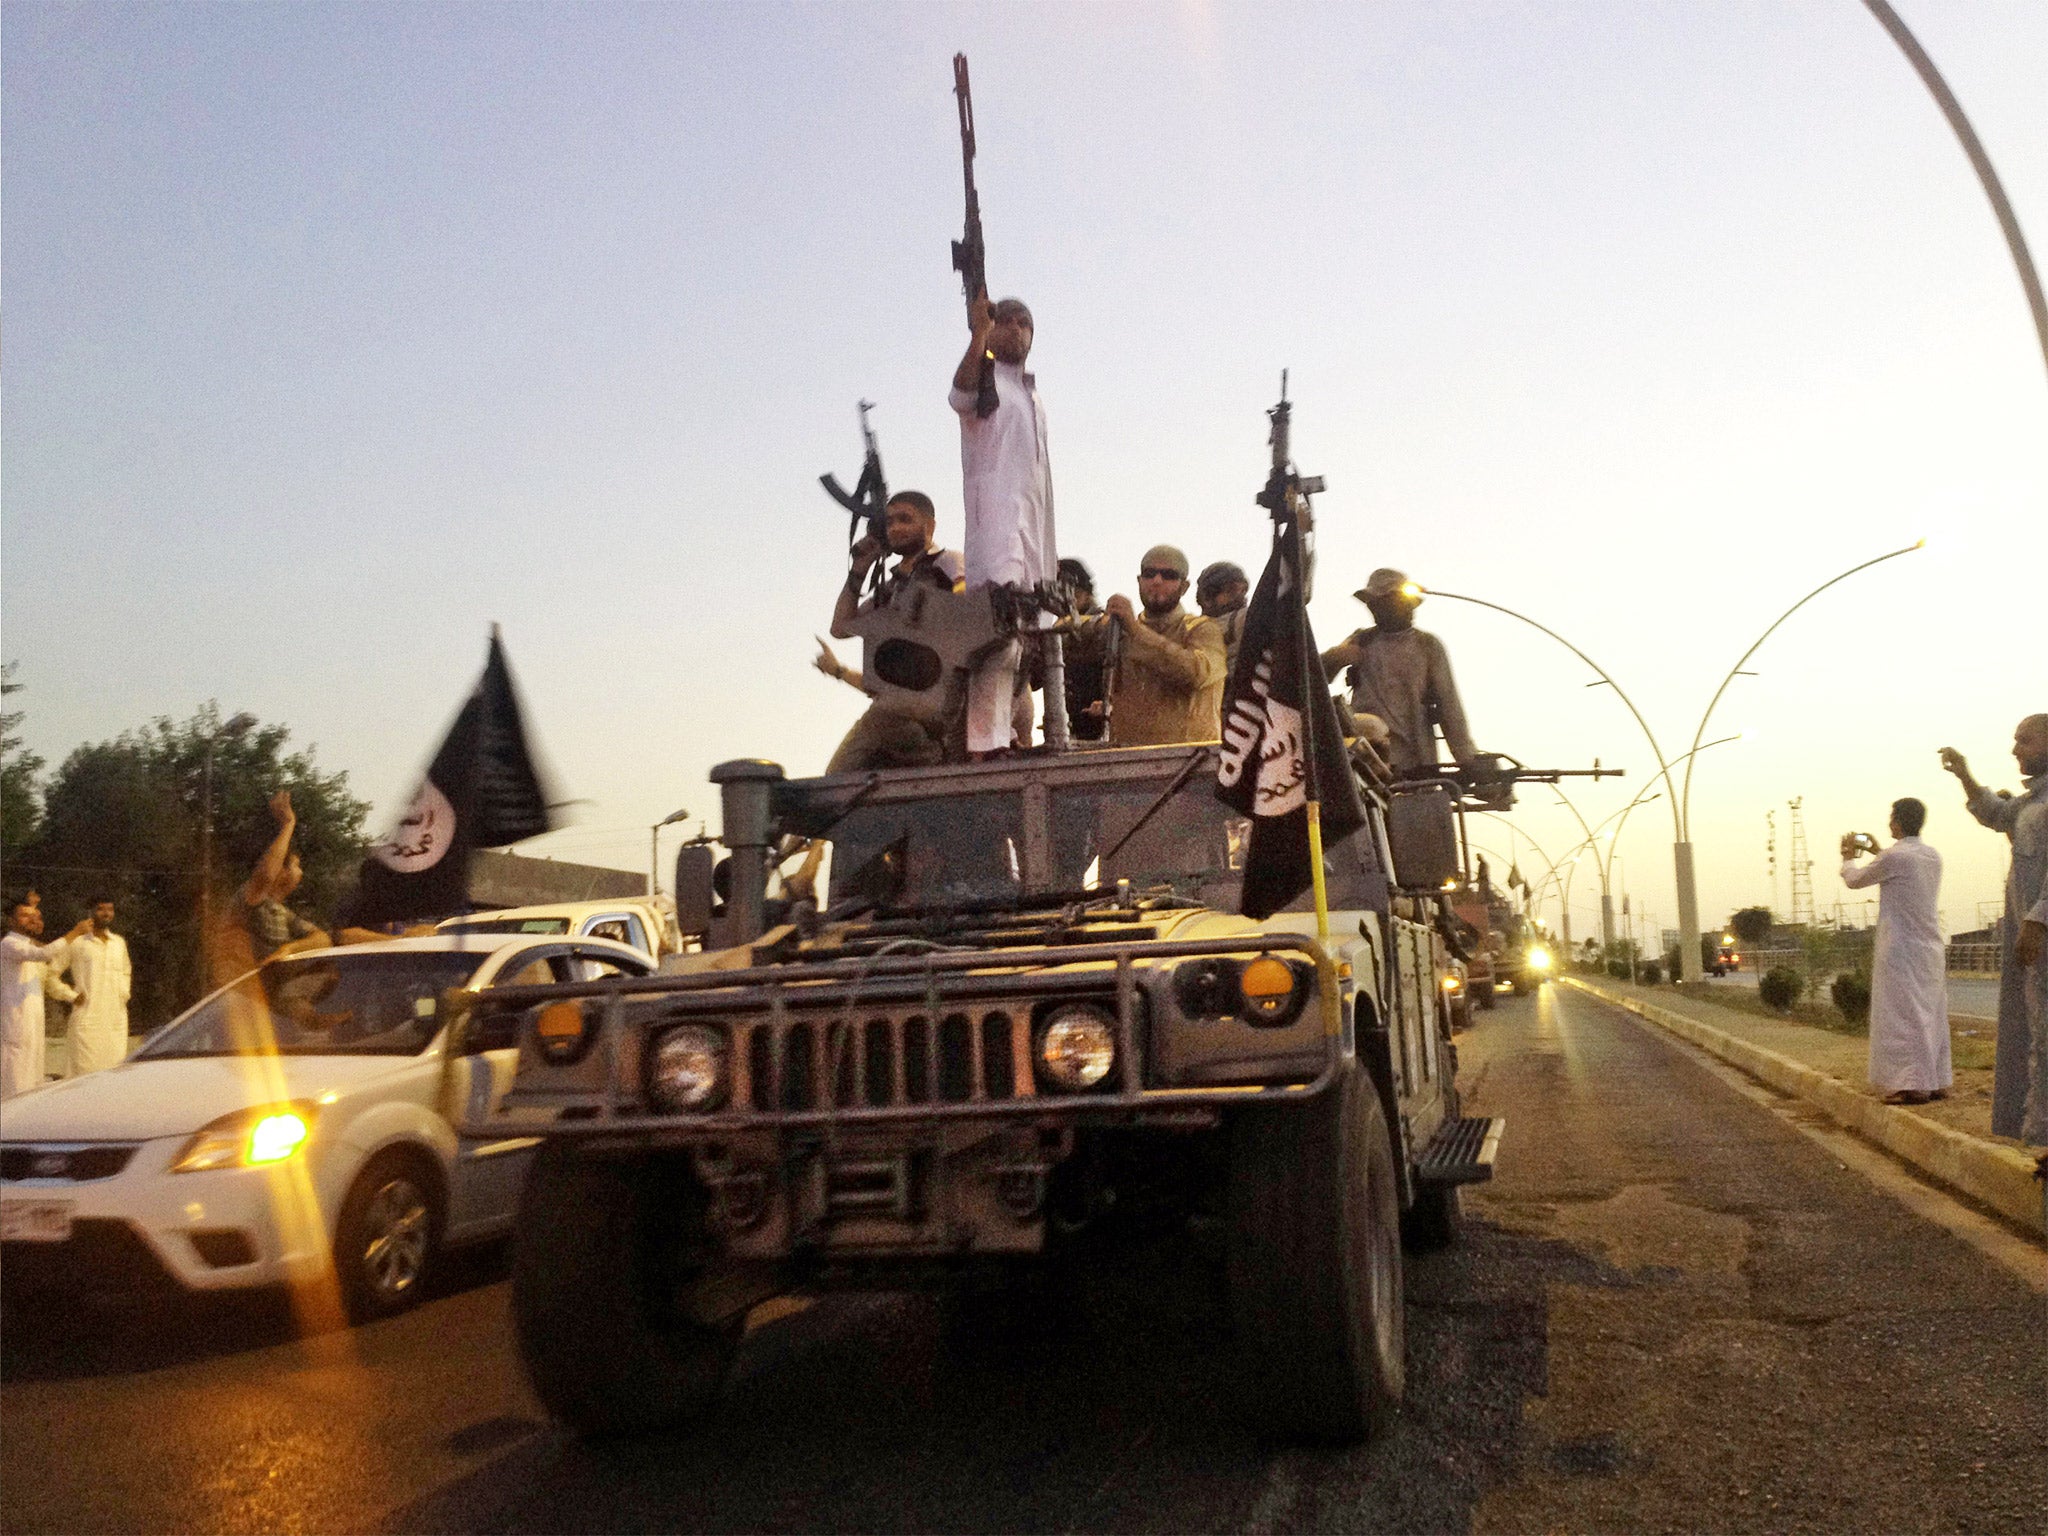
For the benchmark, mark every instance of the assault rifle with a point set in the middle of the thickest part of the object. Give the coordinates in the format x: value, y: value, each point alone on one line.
x: 868, y: 498
x: 969, y: 254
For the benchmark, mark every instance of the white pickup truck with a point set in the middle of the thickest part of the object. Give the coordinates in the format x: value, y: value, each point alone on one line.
x: 645, y: 923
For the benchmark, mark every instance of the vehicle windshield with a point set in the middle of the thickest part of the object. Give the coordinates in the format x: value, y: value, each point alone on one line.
x: 327, y: 1004
x: 950, y: 852
x: 1192, y: 843
x: 508, y: 925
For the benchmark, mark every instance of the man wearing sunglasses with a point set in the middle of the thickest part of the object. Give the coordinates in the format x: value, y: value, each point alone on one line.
x: 1169, y: 687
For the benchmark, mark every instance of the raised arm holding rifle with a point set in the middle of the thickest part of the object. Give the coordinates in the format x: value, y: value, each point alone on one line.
x: 1005, y: 470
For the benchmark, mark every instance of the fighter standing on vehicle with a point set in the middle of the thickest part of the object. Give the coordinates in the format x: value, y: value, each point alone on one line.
x: 1005, y: 472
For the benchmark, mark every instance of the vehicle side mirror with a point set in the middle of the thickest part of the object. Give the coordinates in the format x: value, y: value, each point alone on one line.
x: 452, y: 1012
x: 1422, y: 836
x: 694, y: 865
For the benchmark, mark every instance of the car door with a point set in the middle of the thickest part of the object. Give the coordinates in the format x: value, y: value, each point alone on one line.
x: 489, y: 1171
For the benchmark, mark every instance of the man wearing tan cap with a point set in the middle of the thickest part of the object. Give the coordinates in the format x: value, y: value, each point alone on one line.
x: 1169, y: 685
x: 1403, y: 675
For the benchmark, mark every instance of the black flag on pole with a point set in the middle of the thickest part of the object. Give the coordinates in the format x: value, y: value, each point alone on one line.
x: 1266, y: 772
x: 482, y: 790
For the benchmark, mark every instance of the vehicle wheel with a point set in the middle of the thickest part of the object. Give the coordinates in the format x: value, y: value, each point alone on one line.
x: 1521, y: 986
x: 1432, y: 1221
x: 1487, y: 999
x: 604, y: 1264
x: 1315, y: 1266
x: 389, y: 1236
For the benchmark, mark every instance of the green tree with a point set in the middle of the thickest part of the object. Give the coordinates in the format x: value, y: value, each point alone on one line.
x: 127, y: 817
x: 1752, y: 925
x: 21, y: 800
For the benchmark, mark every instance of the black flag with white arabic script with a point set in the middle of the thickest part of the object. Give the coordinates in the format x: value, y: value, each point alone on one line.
x: 1265, y: 772
x: 482, y: 790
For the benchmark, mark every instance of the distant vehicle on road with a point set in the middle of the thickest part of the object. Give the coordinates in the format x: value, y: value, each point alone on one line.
x: 647, y: 923
x: 300, y: 1122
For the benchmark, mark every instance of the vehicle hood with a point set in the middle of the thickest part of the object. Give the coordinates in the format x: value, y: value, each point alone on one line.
x: 139, y: 1100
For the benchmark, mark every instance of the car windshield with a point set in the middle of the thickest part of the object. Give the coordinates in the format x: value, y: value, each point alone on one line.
x: 508, y: 925
x: 328, y: 1004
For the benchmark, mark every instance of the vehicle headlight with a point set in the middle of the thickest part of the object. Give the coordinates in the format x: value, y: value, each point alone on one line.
x: 1077, y: 1047
x: 1272, y: 991
x: 686, y: 1069
x: 248, y: 1138
x: 1539, y: 959
x: 1453, y: 984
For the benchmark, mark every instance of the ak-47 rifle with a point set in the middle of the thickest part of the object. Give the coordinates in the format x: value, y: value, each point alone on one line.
x: 970, y: 256
x: 868, y: 498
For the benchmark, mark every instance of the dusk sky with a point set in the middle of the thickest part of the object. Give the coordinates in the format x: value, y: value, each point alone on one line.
x: 335, y: 333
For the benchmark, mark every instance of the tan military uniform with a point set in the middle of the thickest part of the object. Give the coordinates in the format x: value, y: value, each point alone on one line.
x: 1169, y: 685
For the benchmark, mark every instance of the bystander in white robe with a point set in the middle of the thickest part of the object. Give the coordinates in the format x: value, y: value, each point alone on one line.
x: 1006, y: 489
x: 1909, y: 1046
x: 24, y: 972
x: 101, y: 974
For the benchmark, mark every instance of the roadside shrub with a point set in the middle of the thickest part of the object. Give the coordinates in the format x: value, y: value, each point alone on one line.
x: 1618, y: 969
x: 1780, y: 987
x: 1649, y: 973
x: 1851, y: 992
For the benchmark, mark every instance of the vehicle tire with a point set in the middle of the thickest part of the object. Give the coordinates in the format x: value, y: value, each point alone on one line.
x: 602, y: 1272
x: 1487, y: 999
x: 1314, y: 1267
x: 388, y: 1239
x: 1432, y: 1221
x: 1521, y: 985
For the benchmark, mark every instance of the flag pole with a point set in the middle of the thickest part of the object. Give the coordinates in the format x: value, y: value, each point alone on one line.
x: 1282, y: 499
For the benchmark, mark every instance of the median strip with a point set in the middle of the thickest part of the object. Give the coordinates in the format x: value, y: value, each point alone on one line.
x: 1999, y: 1177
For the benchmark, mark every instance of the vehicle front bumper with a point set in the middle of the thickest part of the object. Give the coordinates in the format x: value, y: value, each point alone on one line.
x: 147, y: 1228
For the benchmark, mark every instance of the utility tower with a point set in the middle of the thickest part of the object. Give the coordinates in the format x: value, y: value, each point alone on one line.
x: 1802, y: 868
x: 1771, y: 857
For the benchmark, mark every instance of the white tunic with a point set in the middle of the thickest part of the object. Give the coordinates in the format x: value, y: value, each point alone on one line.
x: 1909, y: 1047
x: 22, y: 976
x: 1006, y: 485
x: 99, y: 1025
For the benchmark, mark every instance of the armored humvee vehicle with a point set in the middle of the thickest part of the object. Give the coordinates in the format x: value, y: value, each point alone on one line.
x: 1022, y: 1003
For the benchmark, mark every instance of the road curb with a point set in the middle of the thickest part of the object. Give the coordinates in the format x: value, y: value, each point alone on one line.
x: 1999, y: 1177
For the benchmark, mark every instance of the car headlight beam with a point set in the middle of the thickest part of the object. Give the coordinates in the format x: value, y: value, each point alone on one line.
x: 248, y: 1138
x: 1077, y: 1047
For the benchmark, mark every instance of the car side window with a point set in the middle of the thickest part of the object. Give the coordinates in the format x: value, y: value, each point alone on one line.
x: 543, y: 970
x: 599, y: 967
x: 612, y: 926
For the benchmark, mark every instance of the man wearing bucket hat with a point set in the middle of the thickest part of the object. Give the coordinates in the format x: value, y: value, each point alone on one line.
x: 1403, y: 675
x: 1169, y: 687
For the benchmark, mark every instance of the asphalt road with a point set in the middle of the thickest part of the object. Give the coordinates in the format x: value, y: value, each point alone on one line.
x: 1671, y: 1311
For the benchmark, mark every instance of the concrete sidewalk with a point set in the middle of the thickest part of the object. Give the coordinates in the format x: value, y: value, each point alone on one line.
x: 1949, y: 1141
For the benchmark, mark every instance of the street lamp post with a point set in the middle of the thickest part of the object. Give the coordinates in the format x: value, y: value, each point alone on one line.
x: 654, y: 849
x: 1681, y: 848
x: 1688, y: 891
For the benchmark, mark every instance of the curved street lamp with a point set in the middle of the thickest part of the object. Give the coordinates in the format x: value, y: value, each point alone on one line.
x: 1681, y: 847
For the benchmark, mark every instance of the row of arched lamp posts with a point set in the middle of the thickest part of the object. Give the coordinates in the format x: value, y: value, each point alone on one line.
x: 1679, y: 798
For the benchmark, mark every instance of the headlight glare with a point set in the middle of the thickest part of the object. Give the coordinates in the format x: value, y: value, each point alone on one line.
x: 248, y: 1138
x: 687, y: 1068
x: 1453, y: 984
x: 1077, y: 1048
x: 1539, y: 959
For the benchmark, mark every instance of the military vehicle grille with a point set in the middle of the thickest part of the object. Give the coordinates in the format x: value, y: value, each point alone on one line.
x: 962, y: 1057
